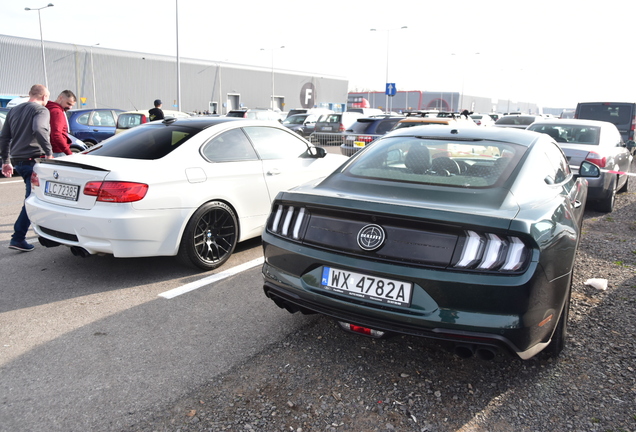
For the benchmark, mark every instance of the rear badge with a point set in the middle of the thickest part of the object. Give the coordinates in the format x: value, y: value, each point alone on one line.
x: 55, y: 175
x: 371, y: 237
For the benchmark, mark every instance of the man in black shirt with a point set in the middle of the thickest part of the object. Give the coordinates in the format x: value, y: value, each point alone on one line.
x: 156, y: 113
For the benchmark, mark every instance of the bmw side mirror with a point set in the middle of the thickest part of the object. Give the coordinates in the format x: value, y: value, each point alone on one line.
x: 317, y: 152
x: 588, y: 169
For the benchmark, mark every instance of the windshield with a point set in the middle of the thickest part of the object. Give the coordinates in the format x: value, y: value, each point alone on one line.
x: 145, y: 142
x: 295, y: 119
x: 467, y: 164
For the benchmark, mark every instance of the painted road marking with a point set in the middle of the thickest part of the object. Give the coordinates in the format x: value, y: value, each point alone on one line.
x: 211, y: 279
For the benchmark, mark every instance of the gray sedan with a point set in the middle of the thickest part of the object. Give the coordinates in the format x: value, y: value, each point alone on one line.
x: 598, y: 142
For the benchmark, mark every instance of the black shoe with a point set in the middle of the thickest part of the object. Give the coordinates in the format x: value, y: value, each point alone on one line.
x: 21, y: 246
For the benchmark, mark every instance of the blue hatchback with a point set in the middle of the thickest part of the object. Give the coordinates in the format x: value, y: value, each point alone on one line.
x: 92, y: 125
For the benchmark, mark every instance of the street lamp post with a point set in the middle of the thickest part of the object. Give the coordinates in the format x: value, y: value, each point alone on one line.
x: 46, y: 79
x: 93, y: 74
x: 461, y: 96
x: 388, y: 32
x: 272, y: 49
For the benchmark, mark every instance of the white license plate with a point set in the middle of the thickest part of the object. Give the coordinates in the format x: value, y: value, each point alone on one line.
x: 367, y: 287
x: 61, y: 190
x: 326, y: 128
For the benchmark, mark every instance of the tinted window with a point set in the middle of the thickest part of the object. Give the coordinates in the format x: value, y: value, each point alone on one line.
x: 330, y: 118
x: 273, y: 143
x: 148, y: 142
x: 232, y: 145
x: 361, y: 126
x: 619, y: 114
x: 557, y: 168
x: 439, y: 162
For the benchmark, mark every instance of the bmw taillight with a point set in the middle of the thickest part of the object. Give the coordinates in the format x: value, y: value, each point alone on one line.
x: 116, y: 192
x: 596, y: 159
x: 35, y: 180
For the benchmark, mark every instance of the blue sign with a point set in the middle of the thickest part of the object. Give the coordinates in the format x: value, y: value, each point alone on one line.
x: 390, y: 89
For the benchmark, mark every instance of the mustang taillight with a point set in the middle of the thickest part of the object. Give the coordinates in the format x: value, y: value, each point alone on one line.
x: 492, y: 252
x: 117, y: 192
x: 596, y: 159
x: 288, y: 221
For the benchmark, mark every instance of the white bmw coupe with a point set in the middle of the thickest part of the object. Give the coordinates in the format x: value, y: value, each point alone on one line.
x: 190, y: 188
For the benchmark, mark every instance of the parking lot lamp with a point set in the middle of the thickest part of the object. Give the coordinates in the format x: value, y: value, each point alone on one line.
x: 46, y: 80
x: 388, y: 32
x: 93, y: 73
x: 272, y: 49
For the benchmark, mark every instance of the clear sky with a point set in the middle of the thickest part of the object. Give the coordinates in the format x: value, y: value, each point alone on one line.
x: 554, y: 53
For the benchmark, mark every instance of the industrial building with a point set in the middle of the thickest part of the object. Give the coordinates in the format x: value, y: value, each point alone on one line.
x: 108, y: 78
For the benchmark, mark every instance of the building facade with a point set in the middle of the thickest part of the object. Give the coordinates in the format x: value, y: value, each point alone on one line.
x: 107, y: 78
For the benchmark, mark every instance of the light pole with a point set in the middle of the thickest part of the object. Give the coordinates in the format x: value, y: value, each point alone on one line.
x: 46, y: 79
x: 388, y: 32
x: 272, y: 49
x: 461, y: 96
x: 178, y: 58
x: 93, y: 73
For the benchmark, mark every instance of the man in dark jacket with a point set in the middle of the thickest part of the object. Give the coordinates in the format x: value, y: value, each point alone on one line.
x: 25, y: 138
x: 59, y: 124
x: 156, y: 113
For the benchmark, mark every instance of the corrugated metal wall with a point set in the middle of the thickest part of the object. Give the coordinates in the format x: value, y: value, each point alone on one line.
x: 132, y: 80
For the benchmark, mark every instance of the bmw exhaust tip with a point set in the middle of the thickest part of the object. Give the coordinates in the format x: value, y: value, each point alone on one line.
x: 464, y: 351
x: 80, y: 252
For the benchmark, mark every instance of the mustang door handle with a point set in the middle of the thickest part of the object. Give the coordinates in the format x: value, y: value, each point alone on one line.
x: 576, y: 203
x: 273, y: 172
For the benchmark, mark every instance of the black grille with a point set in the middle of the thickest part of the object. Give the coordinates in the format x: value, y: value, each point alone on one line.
x: 59, y: 234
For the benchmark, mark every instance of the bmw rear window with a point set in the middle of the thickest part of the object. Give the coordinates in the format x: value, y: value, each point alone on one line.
x: 467, y: 164
x: 148, y: 142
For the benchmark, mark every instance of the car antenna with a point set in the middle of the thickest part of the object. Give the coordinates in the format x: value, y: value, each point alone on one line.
x: 131, y: 102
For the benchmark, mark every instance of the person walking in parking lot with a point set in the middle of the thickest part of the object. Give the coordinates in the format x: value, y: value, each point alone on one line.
x: 60, y: 142
x: 156, y: 113
x: 25, y: 137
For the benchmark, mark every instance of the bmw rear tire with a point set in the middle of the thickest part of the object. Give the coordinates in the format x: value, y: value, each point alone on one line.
x: 210, y: 236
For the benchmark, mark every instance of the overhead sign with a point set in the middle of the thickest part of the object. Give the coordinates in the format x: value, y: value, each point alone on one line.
x: 390, y: 89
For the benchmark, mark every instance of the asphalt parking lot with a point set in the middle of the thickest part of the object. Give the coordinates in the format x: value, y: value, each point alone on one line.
x: 98, y: 344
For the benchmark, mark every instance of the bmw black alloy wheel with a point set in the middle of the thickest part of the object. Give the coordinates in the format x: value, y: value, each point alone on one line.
x: 210, y: 236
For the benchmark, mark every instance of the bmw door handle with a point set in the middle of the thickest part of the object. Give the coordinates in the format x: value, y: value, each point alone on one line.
x: 273, y: 172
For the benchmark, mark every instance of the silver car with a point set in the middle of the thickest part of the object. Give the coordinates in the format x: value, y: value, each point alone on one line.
x: 598, y: 142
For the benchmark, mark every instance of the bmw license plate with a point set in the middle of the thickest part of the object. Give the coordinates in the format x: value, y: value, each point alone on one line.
x: 367, y: 287
x: 61, y: 190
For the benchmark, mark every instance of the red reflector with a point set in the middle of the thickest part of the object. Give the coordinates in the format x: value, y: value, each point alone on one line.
x: 118, y: 192
x: 35, y: 180
x: 358, y: 329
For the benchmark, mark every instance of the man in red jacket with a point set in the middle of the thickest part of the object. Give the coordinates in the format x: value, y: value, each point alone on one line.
x: 59, y: 124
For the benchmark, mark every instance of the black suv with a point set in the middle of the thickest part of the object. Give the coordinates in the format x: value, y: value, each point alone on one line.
x: 365, y: 130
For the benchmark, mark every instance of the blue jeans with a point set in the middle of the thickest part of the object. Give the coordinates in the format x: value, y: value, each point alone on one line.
x: 22, y: 224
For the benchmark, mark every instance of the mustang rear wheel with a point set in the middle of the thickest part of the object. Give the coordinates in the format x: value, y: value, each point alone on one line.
x: 210, y: 236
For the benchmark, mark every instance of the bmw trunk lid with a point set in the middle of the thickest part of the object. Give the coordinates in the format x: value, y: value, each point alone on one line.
x: 62, y: 181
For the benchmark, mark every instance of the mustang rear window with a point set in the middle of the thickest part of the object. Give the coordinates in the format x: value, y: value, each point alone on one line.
x: 467, y: 164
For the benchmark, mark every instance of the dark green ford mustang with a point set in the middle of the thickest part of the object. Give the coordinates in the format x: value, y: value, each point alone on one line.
x: 465, y: 235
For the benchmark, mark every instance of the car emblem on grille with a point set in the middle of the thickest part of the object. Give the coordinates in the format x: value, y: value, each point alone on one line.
x: 371, y: 237
x: 56, y: 175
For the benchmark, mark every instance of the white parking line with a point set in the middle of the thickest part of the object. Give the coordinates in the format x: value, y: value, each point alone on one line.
x: 211, y: 279
x: 12, y: 181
